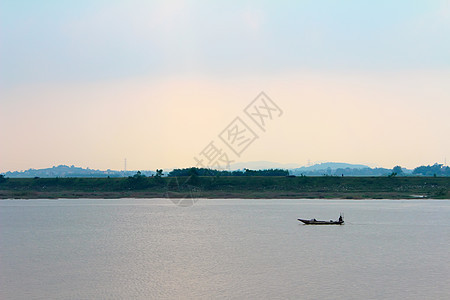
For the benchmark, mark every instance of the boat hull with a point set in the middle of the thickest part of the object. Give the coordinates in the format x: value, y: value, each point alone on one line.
x: 316, y: 222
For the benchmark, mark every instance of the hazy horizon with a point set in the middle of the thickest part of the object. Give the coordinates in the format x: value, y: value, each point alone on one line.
x: 251, y: 165
x: 90, y: 83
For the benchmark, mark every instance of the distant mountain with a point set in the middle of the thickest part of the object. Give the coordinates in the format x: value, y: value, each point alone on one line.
x: 331, y: 165
x: 261, y: 165
x: 340, y: 169
x: 328, y: 169
x: 72, y: 171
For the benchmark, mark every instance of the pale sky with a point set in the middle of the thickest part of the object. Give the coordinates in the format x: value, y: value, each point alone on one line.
x: 89, y: 83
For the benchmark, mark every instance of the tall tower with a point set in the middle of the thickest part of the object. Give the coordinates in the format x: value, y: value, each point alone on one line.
x: 125, y: 166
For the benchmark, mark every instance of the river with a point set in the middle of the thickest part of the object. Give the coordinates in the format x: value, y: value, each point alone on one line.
x: 224, y: 248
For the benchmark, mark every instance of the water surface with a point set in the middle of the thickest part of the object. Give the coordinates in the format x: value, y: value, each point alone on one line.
x: 141, y: 249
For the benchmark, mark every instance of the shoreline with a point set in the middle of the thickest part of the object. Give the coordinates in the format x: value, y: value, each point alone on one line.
x: 228, y: 187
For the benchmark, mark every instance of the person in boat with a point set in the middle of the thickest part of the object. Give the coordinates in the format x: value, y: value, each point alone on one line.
x: 340, y: 218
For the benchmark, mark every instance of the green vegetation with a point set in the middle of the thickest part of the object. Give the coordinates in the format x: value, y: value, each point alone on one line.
x: 434, y: 170
x: 212, y: 172
x: 140, y: 186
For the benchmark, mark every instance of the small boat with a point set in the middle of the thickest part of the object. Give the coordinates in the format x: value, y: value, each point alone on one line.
x: 317, y: 222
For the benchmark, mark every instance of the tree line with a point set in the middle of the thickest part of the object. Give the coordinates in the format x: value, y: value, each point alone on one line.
x: 434, y: 170
x: 211, y: 172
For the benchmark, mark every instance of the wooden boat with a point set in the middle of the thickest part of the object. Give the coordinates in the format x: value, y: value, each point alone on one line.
x: 317, y: 222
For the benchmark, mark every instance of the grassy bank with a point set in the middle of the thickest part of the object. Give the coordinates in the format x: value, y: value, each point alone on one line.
x: 228, y: 187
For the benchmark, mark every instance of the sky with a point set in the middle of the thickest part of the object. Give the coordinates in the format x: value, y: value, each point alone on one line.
x: 160, y: 83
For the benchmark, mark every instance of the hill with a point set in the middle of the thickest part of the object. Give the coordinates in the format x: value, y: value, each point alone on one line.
x: 72, y: 171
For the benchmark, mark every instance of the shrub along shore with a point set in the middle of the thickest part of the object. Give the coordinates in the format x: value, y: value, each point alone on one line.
x: 227, y: 187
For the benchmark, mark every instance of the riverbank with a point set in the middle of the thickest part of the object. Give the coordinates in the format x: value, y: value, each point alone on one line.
x: 228, y: 187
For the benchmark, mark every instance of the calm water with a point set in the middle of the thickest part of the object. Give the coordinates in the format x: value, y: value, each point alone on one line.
x: 241, y: 249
